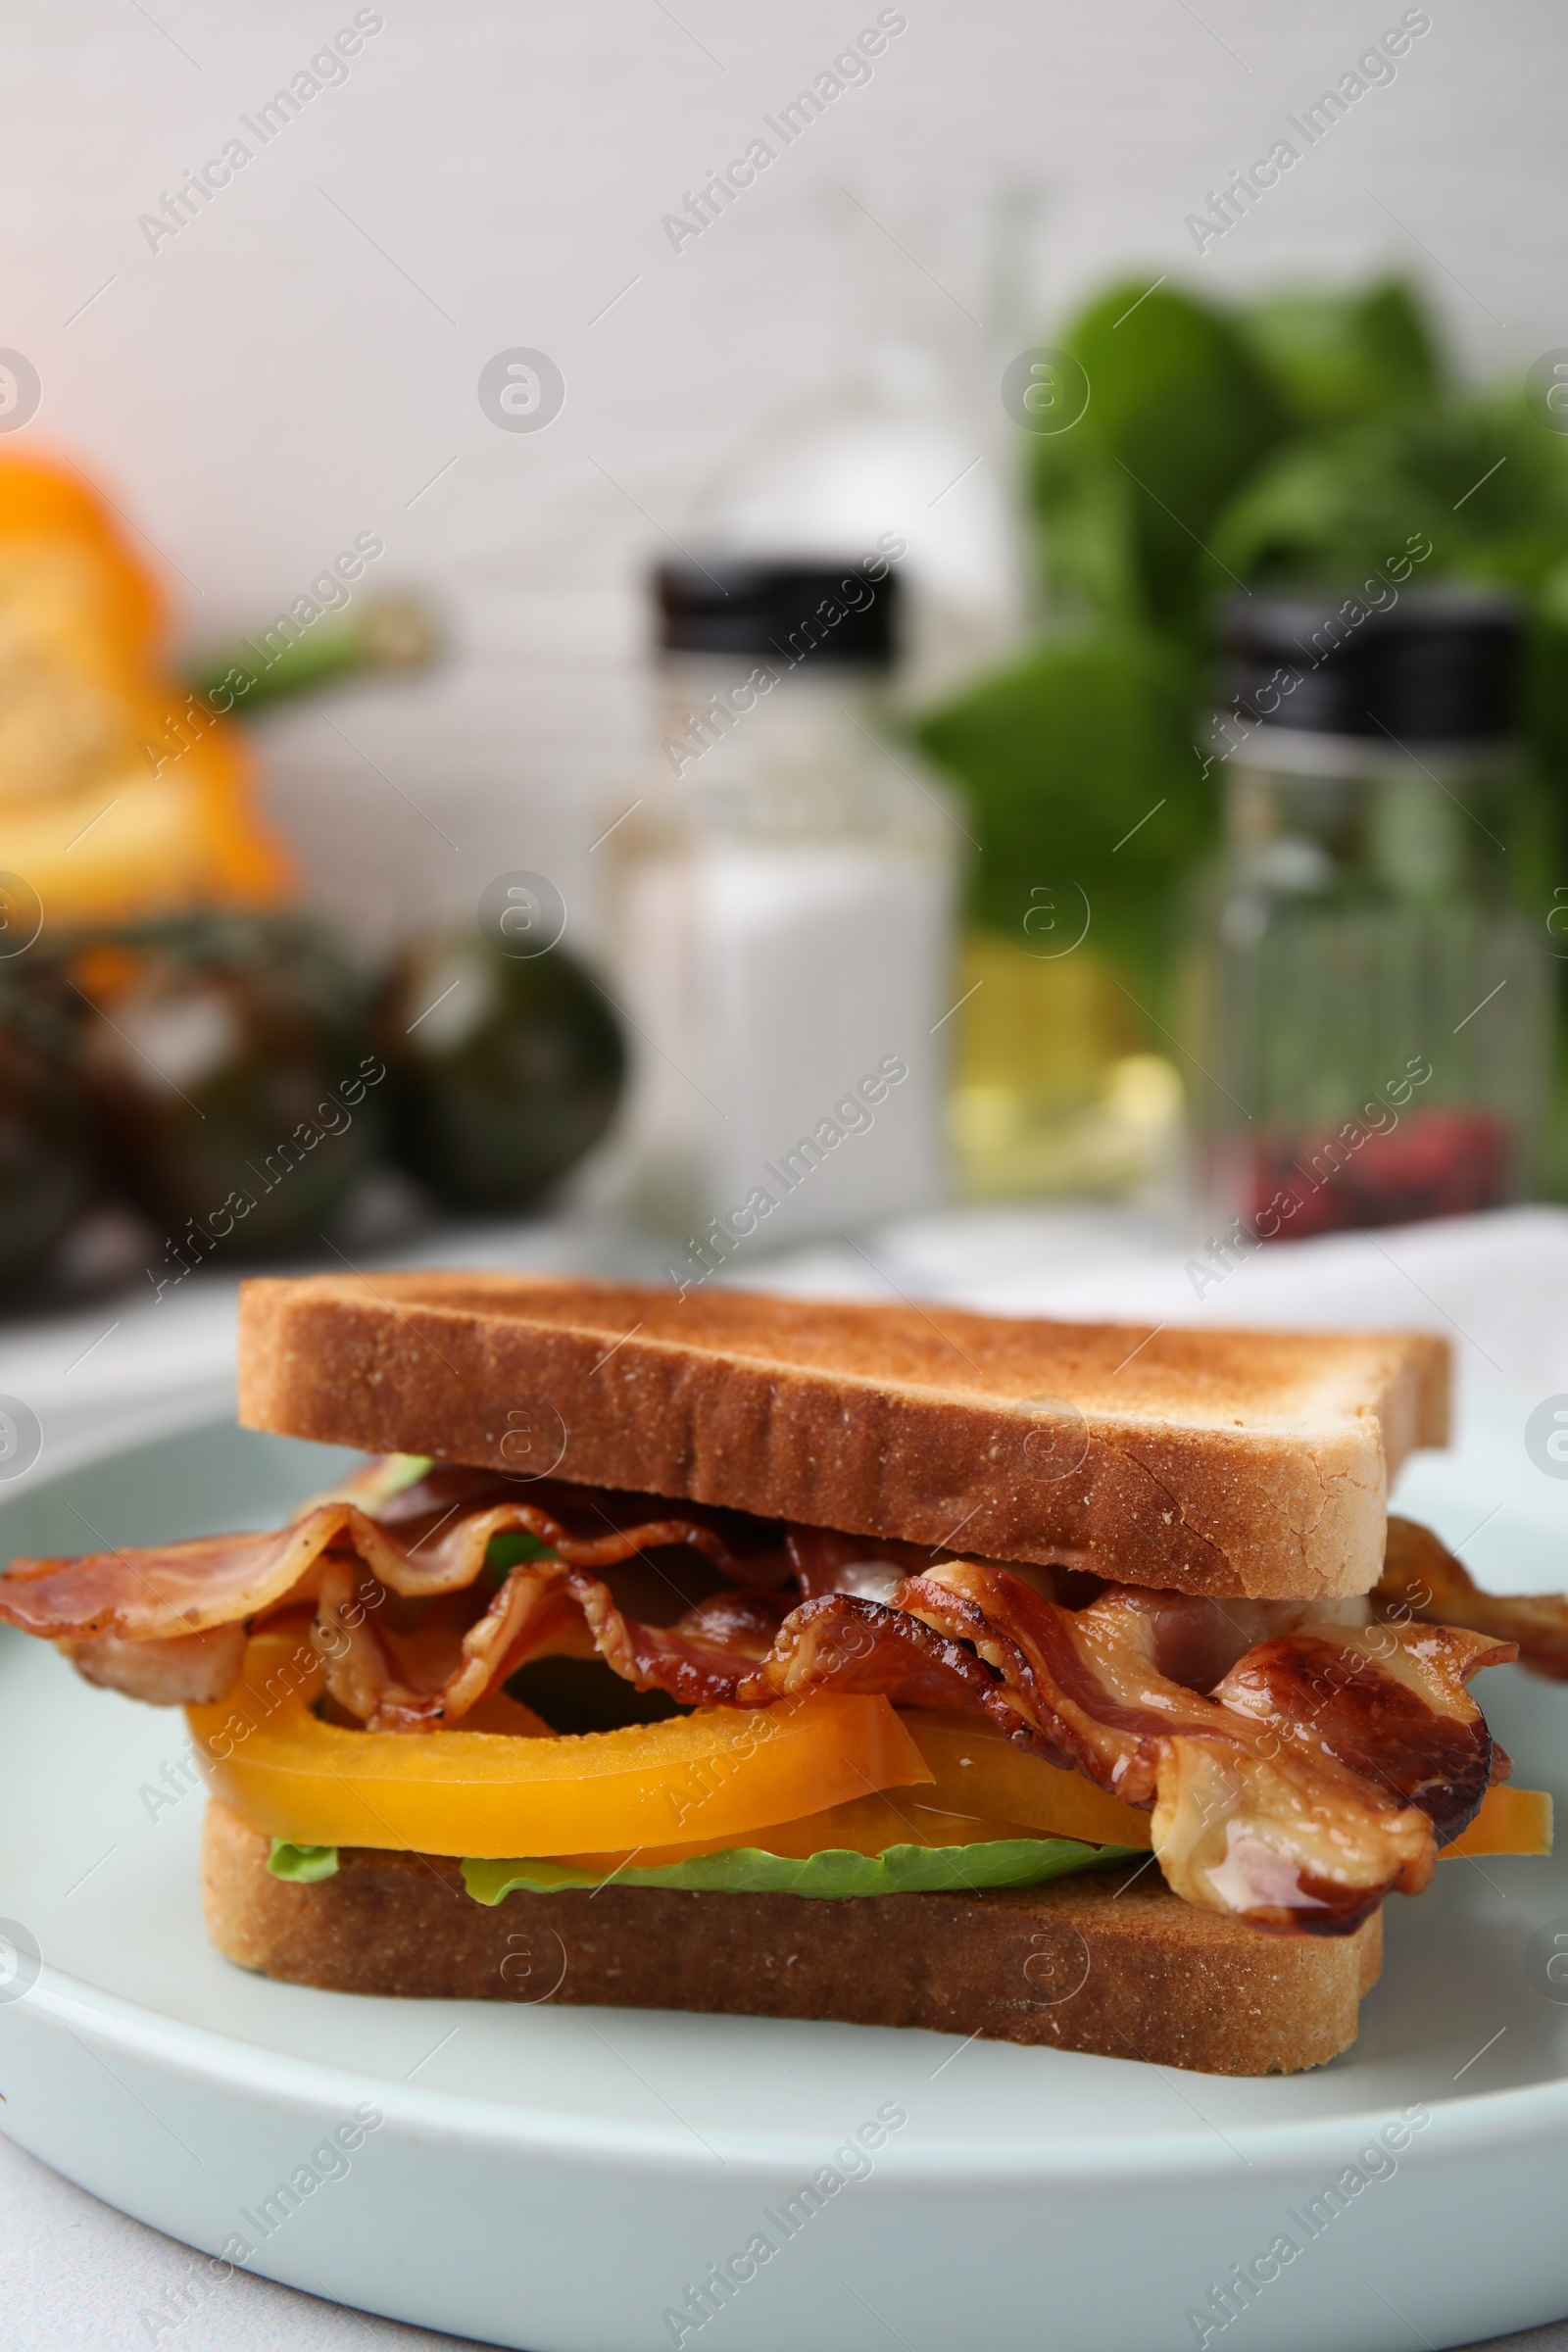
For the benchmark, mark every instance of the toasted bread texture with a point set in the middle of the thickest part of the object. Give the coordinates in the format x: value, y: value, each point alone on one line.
x: 1240, y: 1462
x: 1110, y: 1962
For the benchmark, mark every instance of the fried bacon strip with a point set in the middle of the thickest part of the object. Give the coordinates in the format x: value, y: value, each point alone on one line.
x: 179, y: 1589
x: 1422, y: 1579
x: 1300, y: 1760
x: 1325, y: 1769
x: 543, y: 1609
x: 184, y: 1671
x: 168, y: 1623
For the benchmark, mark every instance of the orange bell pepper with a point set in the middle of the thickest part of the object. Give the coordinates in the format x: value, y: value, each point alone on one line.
x: 977, y: 1771
x: 795, y: 1778
x: 1512, y: 1821
x: 982, y: 1788
x: 717, y: 1773
x: 121, y: 792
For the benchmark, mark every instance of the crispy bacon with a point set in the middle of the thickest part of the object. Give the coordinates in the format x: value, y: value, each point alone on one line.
x: 546, y: 1609
x: 1395, y: 1714
x: 177, y: 1589
x: 850, y: 1643
x: 1323, y: 1771
x: 1421, y: 1578
x: 1300, y: 1759
x: 189, y: 1670
x: 172, y: 1589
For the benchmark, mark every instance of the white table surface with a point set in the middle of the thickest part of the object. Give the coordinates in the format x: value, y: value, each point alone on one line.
x: 75, y: 2276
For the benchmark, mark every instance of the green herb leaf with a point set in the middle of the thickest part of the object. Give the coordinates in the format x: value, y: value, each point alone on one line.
x: 505, y: 1551
x: 1333, y: 358
x: 835, y: 1872
x: 1080, y: 763
x: 1477, y: 482
x: 1179, y: 414
x: 305, y: 1864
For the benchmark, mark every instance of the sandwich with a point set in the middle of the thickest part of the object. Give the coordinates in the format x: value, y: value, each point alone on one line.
x: 1063, y: 1684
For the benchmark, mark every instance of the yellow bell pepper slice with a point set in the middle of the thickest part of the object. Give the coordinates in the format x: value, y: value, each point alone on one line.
x: 977, y: 1771
x: 718, y: 1773
x: 983, y: 1788
x: 1512, y: 1821
x: 797, y: 1779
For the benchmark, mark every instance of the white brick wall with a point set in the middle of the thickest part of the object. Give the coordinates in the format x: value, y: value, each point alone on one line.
x: 268, y: 383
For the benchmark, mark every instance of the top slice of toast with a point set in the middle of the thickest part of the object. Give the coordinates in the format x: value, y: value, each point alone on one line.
x: 1240, y: 1462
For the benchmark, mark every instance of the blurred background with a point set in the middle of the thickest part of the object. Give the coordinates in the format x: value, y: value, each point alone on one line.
x: 643, y: 637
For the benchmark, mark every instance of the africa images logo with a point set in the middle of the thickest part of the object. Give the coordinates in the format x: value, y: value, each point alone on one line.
x: 1546, y: 1437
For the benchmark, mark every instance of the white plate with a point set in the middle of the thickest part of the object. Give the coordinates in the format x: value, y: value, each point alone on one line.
x: 559, y: 2179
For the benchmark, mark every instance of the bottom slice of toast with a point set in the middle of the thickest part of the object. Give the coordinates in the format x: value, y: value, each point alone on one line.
x: 1110, y: 1962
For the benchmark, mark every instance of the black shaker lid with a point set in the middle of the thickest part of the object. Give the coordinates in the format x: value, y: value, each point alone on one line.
x: 833, y: 613
x: 1440, y: 664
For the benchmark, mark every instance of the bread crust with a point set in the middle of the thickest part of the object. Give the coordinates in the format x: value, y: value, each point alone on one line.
x: 1110, y: 1962
x: 1251, y: 1463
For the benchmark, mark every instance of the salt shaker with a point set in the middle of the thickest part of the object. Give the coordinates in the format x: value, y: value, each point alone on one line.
x: 782, y: 918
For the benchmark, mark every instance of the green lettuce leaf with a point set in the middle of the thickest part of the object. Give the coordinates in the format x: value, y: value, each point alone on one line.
x: 371, y: 1485
x: 748, y: 1870
x: 406, y: 1470
x: 505, y: 1551
x: 302, y: 1863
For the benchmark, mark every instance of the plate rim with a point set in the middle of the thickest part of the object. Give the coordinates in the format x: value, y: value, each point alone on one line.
x: 1475, y: 2123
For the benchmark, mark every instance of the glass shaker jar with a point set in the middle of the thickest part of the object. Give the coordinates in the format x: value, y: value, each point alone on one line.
x: 1368, y: 1011
x: 782, y: 918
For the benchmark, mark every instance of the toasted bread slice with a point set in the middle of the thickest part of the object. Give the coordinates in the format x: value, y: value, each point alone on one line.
x: 1230, y: 1462
x: 1110, y: 1962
